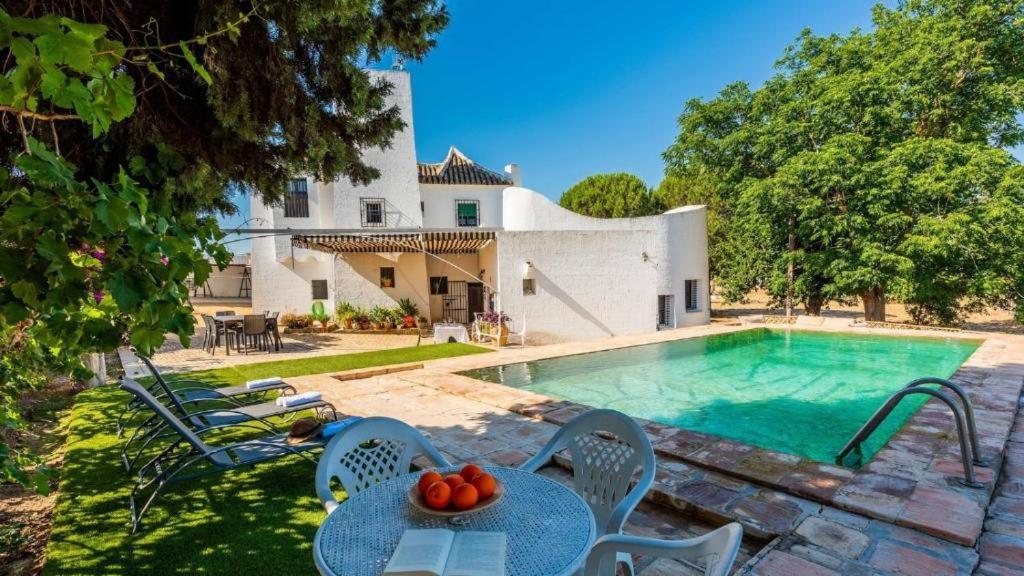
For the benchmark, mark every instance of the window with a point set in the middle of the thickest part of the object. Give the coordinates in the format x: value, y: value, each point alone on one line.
x: 438, y: 285
x: 387, y: 277
x: 372, y: 211
x: 529, y: 287
x: 319, y: 289
x: 692, y: 295
x: 296, y: 201
x: 467, y: 212
x: 666, y: 315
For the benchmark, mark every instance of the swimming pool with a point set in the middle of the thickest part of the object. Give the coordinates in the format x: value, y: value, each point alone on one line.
x: 801, y: 392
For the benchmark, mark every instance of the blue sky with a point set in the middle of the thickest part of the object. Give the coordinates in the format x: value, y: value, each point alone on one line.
x: 572, y: 88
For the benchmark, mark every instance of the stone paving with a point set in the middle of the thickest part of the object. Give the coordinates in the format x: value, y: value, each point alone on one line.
x: 1002, y: 543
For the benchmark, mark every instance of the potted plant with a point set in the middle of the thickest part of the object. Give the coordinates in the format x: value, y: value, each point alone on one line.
x: 379, y: 317
x: 409, y: 311
x: 361, y: 318
x: 496, y: 325
x: 346, y: 314
x: 395, y: 318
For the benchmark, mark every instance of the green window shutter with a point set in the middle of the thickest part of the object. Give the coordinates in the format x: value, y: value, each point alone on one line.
x: 467, y: 210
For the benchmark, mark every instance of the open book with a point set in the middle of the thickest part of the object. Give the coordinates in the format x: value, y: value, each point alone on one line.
x: 442, y: 552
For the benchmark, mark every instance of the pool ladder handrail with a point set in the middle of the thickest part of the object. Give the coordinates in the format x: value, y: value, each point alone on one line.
x: 969, y: 448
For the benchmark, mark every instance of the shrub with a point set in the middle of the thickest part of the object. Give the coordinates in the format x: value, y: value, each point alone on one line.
x: 380, y: 314
x: 345, y: 311
x: 296, y: 321
x: 407, y: 307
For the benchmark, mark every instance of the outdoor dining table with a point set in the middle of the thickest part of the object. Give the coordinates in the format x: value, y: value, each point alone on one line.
x: 226, y: 321
x: 444, y: 331
x: 549, y: 528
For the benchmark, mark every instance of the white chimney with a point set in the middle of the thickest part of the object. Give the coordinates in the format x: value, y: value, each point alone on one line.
x: 512, y: 171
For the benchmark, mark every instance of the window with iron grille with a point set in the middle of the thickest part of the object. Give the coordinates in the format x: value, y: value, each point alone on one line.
x: 665, y: 310
x: 372, y: 211
x: 467, y: 212
x: 296, y: 201
x: 693, y: 295
x: 387, y: 277
x: 529, y: 287
x: 319, y: 289
x: 438, y: 285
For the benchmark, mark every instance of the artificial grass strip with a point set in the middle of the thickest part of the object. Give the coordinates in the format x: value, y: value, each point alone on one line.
x: 253, y: 522
x: 318, y: 365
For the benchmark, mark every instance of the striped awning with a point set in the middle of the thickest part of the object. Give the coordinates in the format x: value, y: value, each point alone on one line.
x: 453, y: 242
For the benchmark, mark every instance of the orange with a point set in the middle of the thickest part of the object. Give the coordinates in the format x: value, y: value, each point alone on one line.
x: 453, y: 480
x: 469, y: 471
x: 428, y: 478
x: 485, y: 485
x: 439, y: 496
x: 465, y: 497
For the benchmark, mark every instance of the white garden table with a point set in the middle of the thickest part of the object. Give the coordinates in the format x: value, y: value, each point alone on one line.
x: 443, y: 331
x: 549, y: 528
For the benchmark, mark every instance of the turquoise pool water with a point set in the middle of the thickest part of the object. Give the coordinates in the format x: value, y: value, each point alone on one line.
x: 804, y: 393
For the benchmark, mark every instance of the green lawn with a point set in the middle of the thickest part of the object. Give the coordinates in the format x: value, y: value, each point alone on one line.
x: 319, y: 365
x: 253, y: 522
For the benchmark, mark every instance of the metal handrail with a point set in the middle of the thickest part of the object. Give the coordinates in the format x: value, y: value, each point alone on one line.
x: 972, y: 429
x: 882, y: 413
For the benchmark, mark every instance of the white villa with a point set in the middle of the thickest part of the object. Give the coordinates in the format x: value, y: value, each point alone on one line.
x: 457, y: 238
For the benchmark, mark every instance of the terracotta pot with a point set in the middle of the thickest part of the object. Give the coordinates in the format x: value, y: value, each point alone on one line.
x: 349, y: 323
x: 376, y: 325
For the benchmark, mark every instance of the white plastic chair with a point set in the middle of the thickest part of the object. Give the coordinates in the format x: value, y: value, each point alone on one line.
x: 605, y: 447
x: 368, y: 452
x: 716, y: 550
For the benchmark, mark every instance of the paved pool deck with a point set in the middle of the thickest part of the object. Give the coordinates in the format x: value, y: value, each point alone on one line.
x: 902, y: 513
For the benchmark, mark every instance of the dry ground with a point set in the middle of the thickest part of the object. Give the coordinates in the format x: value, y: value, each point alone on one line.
x: 758, y: 303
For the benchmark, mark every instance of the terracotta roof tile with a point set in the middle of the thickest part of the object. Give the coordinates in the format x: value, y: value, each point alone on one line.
x: 457, y: 168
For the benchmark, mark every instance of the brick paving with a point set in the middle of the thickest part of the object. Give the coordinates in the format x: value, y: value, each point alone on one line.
x: 1002, y: 543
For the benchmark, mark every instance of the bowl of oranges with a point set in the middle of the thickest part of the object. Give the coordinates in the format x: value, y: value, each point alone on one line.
x: 458, y: 493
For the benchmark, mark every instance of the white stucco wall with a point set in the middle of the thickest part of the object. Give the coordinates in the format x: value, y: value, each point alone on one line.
x: 398, y: 183
x: 526, y: 209
x: 439, y: 204
x: 590, y: 284
x: 357, y: 280
x: 287, y: 287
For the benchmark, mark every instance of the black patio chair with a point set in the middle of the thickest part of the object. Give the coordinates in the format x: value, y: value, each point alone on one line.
x: 192, y: 390
x: 189, y: 457
x: 224, y: 412
x: 255, y: 333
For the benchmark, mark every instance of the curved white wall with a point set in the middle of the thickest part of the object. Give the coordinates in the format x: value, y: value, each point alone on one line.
x: 599, y: 276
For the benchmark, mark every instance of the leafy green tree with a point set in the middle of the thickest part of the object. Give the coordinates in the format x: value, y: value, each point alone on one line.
x: 126, y: 127
x: 616, y: 195
x: 872, y: 162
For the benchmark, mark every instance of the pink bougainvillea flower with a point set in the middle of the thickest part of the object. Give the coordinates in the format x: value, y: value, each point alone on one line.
x: 165, y: 260
x: 99, y: 255
x: 98, y: 296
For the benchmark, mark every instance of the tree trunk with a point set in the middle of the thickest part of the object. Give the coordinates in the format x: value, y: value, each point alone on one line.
x: 813, y: 305
x: 874, y: 304
x: 789, y: 268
